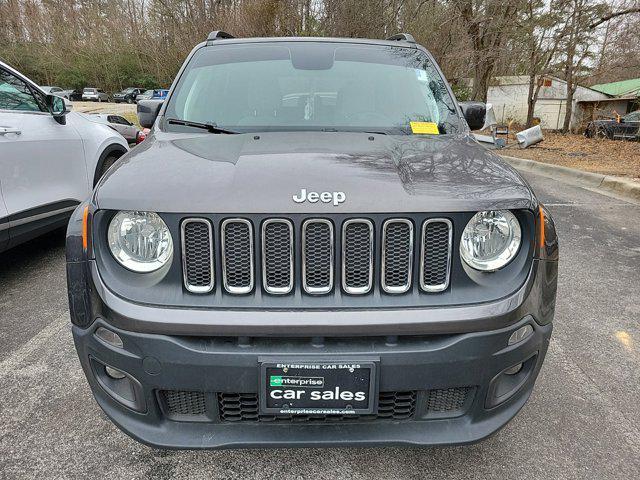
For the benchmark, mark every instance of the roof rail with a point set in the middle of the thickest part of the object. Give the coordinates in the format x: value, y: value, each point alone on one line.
x: 218, y: 35
x: 402, y: 37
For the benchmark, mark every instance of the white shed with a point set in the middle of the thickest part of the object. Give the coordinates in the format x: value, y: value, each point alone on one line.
x: 508, y: 95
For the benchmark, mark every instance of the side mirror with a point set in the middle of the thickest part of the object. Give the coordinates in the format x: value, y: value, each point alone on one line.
x: 148, y: 111
x: 58, y: 108
x: 474, y: 113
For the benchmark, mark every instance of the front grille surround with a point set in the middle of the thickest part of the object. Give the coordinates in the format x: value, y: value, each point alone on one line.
x: 346, y: 260
x: 189, y: 265
x: 347, y: 256
x: 231, y: 286
x: 308, y: 269
x: 267, y: 281
x: 426, y: 256
x: 397, y: 288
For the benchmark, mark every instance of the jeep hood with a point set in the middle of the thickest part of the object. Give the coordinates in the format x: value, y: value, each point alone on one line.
x: 251, y: 173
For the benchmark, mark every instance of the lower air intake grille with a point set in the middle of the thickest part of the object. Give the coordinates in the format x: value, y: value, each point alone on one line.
x: 447, y: 400
x: 317, y: 256
x: 243, y: 407
x: 437, y: 238
x: 179, y: 402
x: 237, y: 255
x: 197, y: 255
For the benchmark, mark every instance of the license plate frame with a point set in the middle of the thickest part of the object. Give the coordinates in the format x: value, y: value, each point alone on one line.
x: 332, y: 372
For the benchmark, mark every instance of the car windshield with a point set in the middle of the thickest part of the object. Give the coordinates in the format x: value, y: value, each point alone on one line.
x: 148, y: 92
x: 128, y: 90
x: 89, y: 90
x: 313, y: 86
x: 632, y: 117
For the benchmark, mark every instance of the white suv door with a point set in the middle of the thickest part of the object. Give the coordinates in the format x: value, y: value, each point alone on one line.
x: 42, y: 168
x: 4, y: 222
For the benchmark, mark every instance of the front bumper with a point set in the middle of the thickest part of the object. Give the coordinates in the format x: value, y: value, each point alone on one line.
x: 430, y: 366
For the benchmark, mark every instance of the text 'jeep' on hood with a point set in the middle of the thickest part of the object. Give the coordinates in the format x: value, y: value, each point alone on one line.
x: 310, y: 234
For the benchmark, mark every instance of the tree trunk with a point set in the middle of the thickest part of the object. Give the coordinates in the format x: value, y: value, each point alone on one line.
x: 483, y: 73
x: 531, y: 101
x: 566, y: 127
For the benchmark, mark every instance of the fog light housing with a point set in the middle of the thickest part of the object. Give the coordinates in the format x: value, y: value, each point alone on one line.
x: 119, y: 385
x: 114, y: 373
x: 513, y: 370
x: 520, y: 334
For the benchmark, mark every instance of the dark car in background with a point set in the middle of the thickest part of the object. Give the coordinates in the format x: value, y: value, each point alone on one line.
x: 628, y: 128
x: 74, y: 95
x: 127, y: 95
x: 311, y: 249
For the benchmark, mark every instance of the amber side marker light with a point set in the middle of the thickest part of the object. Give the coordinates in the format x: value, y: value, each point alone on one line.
x: 541, y: 232
x: 85, y: 227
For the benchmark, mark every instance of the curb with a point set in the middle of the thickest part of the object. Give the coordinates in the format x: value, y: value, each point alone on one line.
x: 616, y: 185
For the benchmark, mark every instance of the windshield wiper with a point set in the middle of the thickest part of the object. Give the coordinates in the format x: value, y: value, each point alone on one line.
x: 210, y: 127
x: 349, y: 130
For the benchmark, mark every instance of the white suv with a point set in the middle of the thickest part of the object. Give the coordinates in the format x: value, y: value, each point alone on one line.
x: 50, y: 158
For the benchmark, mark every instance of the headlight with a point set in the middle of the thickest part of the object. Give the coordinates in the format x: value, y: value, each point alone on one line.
x: 490, y: 240
x: 140, y: 241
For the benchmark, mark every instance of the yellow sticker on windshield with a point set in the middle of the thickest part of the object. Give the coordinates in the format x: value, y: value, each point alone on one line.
x: 424, y: 128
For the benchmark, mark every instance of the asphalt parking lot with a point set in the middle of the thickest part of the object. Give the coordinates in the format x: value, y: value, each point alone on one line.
x: 582, y: 421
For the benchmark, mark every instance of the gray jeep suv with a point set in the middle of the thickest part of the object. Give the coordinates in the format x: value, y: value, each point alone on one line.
x: 311, y: 249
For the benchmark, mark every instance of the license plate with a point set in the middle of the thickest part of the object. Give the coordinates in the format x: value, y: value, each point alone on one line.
x: 318, y: 388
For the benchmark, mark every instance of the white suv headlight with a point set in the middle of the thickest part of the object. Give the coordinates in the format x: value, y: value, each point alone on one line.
x: 140, y: 241
x: 490, y: 240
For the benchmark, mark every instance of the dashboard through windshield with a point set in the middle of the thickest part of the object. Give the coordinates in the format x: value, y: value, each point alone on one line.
x: 287, y: 86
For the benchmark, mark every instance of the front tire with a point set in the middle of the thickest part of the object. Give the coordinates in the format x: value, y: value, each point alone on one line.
x: 603, y: 133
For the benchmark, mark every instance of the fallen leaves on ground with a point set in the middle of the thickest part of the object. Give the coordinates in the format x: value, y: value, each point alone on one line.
x: 609, y: 157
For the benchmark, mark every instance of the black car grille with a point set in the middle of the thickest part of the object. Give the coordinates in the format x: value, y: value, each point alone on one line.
x: 180, y: 403
x: 357, y: 251
x: 317, y: 256
x: 325, y: 249
x: 447, y: 400
x: 277, y: 256
x: 185, y: 405
x: 197, y: 243
x: 435, y: 258
x: 237, y: 255
x: 244, y: 407
x: 397, y: 255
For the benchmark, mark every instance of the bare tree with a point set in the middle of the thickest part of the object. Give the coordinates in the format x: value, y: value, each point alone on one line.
x: 488, y: 23
x: 118, y: 43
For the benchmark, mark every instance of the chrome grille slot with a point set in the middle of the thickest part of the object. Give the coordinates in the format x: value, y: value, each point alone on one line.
x: 397, y: 255
x: 357, y: 256
x: 237, y: 255
x: 197, y: 255
x: 435, y: 254
x: 317, y: 256
x: 277, y: 256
